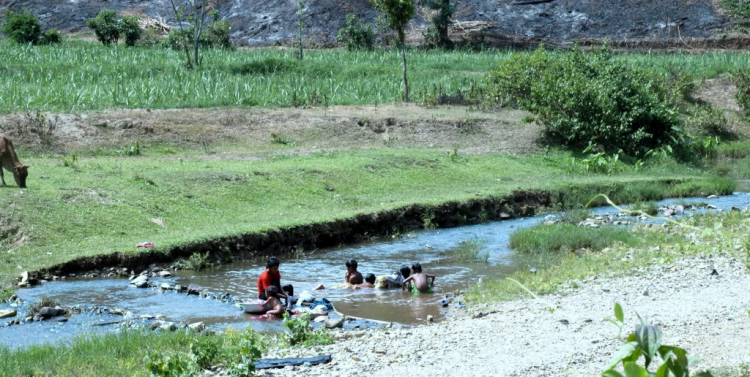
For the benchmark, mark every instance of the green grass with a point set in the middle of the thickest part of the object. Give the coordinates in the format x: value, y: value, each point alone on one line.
x: 470, y: 251
x: 122, y: 354
x: 736, y: 8
x: 557, y: 238
x: 733, y: 150
x: 649, y: 208
x: 107, y: 204
x: 80, y: 76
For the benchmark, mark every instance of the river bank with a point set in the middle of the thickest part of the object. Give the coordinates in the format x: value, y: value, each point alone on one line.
x: 702, y: 311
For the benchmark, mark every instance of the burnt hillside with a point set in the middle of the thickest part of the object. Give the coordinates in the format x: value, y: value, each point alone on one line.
x: 260, y: 22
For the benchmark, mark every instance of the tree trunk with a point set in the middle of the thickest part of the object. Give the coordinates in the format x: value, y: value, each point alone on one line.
x: 198, y: 31
x: 402, y: 37
x: 183, y: 37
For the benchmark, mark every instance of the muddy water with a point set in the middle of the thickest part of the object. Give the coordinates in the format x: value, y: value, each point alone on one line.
x: 304, y: 271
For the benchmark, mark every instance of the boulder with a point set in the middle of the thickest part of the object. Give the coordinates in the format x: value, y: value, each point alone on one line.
x: 322, y: 318
x: 197, y: 327
x: 168, y: 326
x: 49, y: 312
x: 180, y: 288
x: 334, y: 323
x: 166, y: 287
x: 155, y: 325
x: 679, y: 210
x: 7, y: 313
x: 430, y: 318
x: 164, y: 274
x: 117, y: 312
x: 194, y: 289
x: 140, y: 281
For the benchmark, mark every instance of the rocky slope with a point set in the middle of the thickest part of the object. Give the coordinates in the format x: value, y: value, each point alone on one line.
x: 267, y: 22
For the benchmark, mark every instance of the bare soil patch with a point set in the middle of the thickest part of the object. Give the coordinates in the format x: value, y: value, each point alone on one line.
x: 304, y: 130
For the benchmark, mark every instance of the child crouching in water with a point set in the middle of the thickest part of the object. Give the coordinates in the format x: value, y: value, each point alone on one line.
x: 275, y: 309
x: 418, y: 282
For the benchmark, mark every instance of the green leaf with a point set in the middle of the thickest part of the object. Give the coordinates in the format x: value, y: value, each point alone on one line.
x: 619, y: 314
x: 704, y: 374
x: 649, y: 339
x: 663, y: 370
x: 625, y: 351
x: 611, y: 373
x: 634, y: 370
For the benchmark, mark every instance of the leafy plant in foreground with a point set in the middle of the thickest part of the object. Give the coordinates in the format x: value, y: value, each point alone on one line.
x: 301, y: 333
x: 646, y: 342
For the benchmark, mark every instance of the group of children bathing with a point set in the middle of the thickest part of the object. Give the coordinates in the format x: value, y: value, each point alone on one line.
x: 271, y: 291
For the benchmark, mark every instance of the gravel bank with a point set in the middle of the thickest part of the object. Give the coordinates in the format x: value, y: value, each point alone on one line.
x: 702, y: 311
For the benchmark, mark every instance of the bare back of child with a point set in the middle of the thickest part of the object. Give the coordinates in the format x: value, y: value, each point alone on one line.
x: 419, y: 282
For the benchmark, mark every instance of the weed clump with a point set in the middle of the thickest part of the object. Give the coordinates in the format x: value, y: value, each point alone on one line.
x: 470, y: 251
x: 585, y: 98
x: 198, y: 261
x: 567, y: 237
x: 301, y: 333
x: 649, y: 208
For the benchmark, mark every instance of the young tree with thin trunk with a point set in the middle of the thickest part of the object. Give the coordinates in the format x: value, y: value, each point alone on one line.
x: 300, y: 25
x: 398, y: 13
x: 198, y: 24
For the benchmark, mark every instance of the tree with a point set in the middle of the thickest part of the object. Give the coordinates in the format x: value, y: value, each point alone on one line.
x: 300, y: 12
x: 106, y: 26
x: 130, y: 28
x: 437, y: 33
x: 22, y: 27
x: 398, y: 13
x: 197, y: 24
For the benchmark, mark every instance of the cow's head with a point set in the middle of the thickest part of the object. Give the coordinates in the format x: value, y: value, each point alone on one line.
x: 19, y: 174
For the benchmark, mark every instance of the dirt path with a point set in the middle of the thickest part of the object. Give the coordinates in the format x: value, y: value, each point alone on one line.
x: 250, y: 131
x: 704, y: 313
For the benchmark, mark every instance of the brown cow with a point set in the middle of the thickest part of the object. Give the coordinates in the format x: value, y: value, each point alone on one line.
x: 9, y: 161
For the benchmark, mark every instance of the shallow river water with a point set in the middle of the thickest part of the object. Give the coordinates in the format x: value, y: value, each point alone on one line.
x: 304, y: 271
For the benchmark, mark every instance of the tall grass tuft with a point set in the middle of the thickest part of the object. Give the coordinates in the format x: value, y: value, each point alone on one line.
x: 470, y: 251
x: 566, y: 237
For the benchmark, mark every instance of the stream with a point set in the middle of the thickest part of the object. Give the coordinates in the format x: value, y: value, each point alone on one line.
x: 305, y: 271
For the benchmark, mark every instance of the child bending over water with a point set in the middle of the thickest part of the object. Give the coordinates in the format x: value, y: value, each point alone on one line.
x: 369, y: 282
x: 275, y: 309
x: 418, y: 281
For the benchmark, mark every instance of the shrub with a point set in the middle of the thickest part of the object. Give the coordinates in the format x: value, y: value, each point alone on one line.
x: 566, y: 237
x: 106, y: 27
x: 709, y: 121
x: 356, y: 36
x: 588, y: 97
x: 50, y: 37
x: 22, y: 27
x: 218, y: 32
x: 130, y: 28
x: 742, y: 81
x: 436, y: 35
x: 198, y: 261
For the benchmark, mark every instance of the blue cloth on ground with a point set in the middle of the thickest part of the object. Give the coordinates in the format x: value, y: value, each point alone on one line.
x: 321, y: 301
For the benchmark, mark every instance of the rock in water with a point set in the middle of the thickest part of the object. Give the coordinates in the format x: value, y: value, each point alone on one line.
x: 679, y: 210
x: 155, y: 325
x: 668, y: 212
x: 168, y: 326
x: 194, y: 289
x: 321, y: 319
x: 140, y: 281
x: 166, y: 287
x: 430, y: 318
x: 7, y: 313
x: 165, y: 274
x: 48, y: 312
x: 197, y: 327
x: 334, y: 323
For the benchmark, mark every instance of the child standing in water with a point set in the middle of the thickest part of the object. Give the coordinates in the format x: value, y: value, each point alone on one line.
x: 419, y: 282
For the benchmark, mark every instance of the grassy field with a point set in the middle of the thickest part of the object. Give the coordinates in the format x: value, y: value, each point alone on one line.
x: 99, y: 205
x: 80, y: 76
